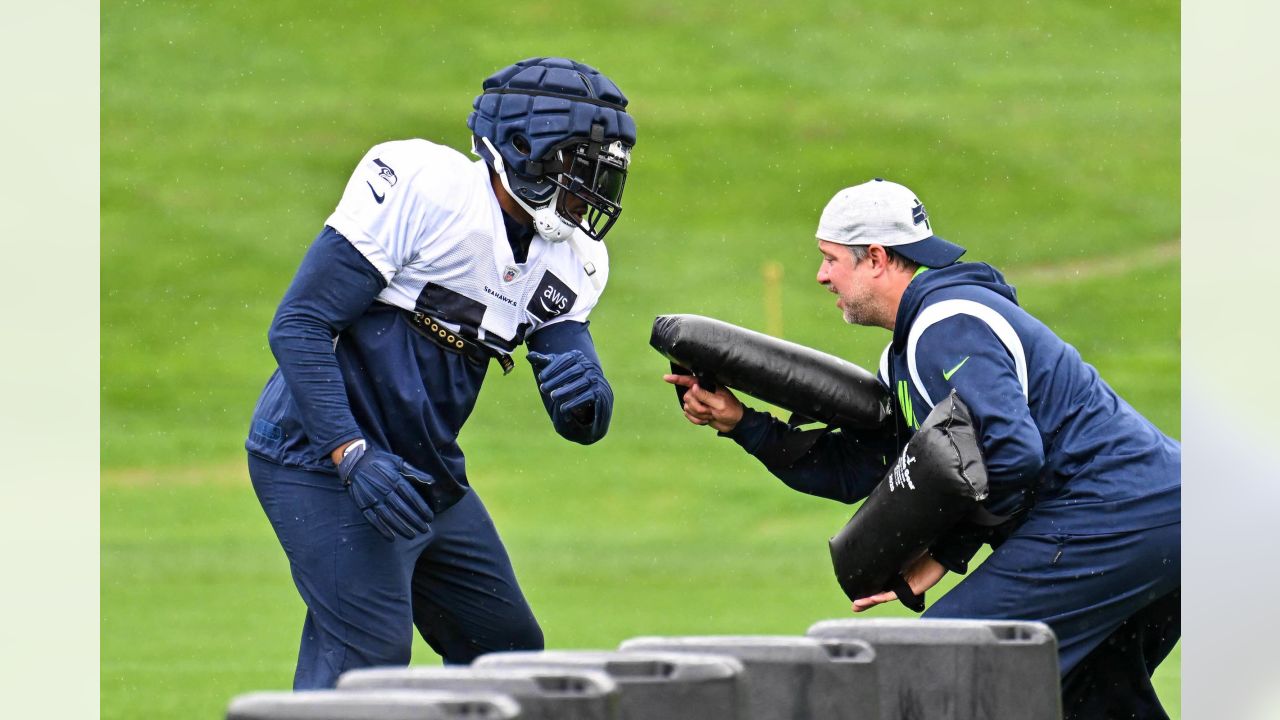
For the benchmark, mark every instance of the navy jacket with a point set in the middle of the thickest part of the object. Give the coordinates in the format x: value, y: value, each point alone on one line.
x: 1054, y: 435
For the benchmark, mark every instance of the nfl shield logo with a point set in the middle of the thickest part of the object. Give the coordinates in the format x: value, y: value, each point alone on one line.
x: 511, y: 272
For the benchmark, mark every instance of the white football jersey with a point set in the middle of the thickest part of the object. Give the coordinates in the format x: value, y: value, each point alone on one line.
x: 426, y: 217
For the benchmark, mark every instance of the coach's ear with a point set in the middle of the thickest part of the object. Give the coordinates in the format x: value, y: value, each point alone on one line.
x: 878, y: 258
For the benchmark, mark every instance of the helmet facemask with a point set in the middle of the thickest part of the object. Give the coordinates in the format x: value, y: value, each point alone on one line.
x: 578, y: 185
x: 590, y: 178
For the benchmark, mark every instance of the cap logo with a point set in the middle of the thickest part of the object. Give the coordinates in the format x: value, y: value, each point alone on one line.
x: 918, y: 215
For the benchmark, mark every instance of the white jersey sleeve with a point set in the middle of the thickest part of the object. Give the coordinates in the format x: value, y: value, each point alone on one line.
x: 390, y: 203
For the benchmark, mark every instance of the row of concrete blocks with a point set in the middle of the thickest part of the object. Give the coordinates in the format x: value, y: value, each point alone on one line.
x: 840, y: 670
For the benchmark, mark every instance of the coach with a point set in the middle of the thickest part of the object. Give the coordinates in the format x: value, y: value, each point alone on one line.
x: 1085, y: 504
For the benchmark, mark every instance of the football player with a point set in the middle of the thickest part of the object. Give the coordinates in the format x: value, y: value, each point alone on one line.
x: 432, y: 268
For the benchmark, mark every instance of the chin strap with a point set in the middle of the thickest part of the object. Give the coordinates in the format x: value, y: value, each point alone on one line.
x: 546, y: 220
x: 549, y: 224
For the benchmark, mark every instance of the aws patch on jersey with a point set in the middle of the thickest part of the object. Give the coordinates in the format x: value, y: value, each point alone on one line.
x: 551, y: 299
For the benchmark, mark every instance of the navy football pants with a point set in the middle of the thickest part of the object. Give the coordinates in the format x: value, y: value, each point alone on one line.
x: 364, y: 595
x: 1112, y: 600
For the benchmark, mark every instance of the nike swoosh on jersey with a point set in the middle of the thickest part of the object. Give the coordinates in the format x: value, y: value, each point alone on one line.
x: 376, y: 196
x: 946, y: 374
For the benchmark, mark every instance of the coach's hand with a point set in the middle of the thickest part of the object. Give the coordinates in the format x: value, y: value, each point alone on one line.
x: 922, y: 574
x: 720, y: 409
x: 578, y: 397
x: 382, y: 486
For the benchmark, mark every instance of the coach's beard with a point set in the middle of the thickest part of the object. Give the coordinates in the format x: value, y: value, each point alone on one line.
x: 860, y: 310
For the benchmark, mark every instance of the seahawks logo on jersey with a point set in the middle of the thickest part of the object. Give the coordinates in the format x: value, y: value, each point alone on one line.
x: 552, y: 298
x: 386, y: 173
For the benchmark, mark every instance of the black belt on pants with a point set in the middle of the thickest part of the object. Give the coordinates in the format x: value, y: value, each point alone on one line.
x: 473, y: 350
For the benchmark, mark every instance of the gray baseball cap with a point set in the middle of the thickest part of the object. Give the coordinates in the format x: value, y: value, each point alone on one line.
x: 888, y: 214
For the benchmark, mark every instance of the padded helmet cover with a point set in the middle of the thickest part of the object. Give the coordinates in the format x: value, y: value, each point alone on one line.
x: 535, y: 107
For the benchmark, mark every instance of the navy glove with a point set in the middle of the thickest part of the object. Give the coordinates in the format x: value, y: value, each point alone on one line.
x: 577, y: 396
x: 382, y: 486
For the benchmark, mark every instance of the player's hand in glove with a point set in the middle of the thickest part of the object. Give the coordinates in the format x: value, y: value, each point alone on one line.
x: 382, y: 486
x: 576, y: 394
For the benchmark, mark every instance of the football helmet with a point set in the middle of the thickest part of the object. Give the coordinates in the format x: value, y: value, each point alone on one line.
x: 558, y: 135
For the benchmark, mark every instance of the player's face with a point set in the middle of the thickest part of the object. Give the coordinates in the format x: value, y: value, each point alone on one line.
x: 590, y: 187
x: 572, y: 207
x: 849, y: 280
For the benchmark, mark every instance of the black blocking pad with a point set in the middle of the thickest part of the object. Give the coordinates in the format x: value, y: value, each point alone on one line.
x: 807, y: 382
x: 939, y: 479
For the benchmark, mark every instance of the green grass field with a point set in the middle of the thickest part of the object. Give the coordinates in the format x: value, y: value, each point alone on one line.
x: 1042, y: 136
